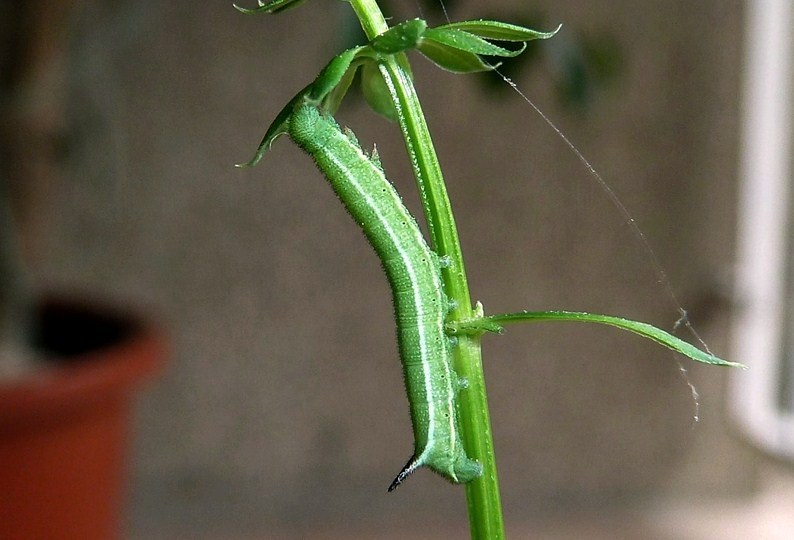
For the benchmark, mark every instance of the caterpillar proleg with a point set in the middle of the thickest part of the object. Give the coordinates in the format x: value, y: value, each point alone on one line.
x: 414, y: 275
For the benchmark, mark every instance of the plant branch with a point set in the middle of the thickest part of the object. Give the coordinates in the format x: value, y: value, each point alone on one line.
x: 484, y: 504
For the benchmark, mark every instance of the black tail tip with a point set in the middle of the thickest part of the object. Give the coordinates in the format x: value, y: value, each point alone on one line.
x: 409, y: 468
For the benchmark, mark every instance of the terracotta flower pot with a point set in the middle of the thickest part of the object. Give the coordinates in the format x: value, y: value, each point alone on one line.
x: 64, y: 432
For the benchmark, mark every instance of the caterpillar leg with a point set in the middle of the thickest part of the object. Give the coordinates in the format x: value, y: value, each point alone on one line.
x: 466, y: 469
x: 409, y: 468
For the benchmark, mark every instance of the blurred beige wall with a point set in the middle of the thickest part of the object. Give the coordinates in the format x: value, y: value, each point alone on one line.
x: 283, y: 401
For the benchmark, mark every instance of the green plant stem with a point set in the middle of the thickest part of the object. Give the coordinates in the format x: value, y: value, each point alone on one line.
x: 484, y: 504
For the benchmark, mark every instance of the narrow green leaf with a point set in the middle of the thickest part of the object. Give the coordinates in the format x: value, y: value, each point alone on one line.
x: 273, y: 6
x: 499, y: 31
x: 465, y: 41
x: 451, y: 59
x: 333, y: 73
x: 400, y: 37
x: 643, y: 329
x: 333, y: 99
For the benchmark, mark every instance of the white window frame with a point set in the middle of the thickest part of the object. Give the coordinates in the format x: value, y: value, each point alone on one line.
x: 766, y: 222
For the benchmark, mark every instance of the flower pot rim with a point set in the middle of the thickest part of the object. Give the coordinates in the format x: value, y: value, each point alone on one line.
x: 89, y: 377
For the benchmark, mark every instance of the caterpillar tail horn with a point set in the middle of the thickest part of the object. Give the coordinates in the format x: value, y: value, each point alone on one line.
x: 409, y: 468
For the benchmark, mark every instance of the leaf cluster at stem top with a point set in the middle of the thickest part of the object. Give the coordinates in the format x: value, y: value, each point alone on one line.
x: 455, y: 47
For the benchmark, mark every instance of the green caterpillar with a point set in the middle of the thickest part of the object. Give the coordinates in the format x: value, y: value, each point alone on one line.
x: 414, y: 274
